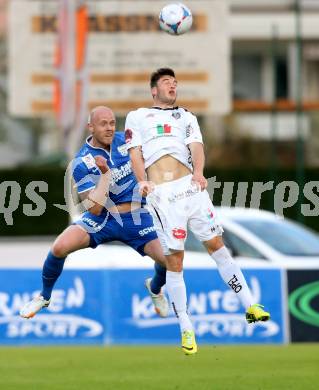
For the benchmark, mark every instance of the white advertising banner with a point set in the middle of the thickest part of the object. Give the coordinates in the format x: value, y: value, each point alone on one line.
x: 125, y: 45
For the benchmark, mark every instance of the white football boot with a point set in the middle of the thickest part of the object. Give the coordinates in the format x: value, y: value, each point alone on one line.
x: 31, y: 308
x: 159, y: 300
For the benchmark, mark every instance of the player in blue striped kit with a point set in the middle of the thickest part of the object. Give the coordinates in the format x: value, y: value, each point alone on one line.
x: 108, y: 189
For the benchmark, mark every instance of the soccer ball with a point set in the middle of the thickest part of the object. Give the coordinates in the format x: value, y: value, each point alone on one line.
x: 175, y: 19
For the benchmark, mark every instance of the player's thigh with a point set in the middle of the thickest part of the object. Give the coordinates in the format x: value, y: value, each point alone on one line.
x: 71, y: 239
x: 170, y: 220
x: 204, y: 221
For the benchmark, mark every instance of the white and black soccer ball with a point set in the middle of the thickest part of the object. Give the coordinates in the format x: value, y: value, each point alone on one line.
x: 175, y: 19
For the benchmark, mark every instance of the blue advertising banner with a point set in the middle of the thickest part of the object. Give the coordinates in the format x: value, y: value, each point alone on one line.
x: 73, y: 317
x: 106, y: 306
x: 215, y: 310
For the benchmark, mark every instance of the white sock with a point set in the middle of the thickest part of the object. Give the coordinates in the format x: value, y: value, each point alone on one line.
x: 232, y: 276
x: 176, y: 290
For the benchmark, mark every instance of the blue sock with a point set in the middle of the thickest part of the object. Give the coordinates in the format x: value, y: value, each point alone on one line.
x: 159, y: 279
x: 52, y: 269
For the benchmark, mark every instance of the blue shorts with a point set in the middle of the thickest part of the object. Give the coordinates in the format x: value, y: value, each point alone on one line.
x: 135, y: 228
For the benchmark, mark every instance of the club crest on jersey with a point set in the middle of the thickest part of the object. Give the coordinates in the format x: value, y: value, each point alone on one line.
x: 176, y: 115
x: 89, y: 161
x: 122, y: 149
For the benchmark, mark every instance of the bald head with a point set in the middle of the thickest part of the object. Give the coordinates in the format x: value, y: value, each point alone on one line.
x: 97, y: 111
x: 102, y: 126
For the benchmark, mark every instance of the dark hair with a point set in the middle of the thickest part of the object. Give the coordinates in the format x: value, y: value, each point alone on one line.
x: 155, y: 76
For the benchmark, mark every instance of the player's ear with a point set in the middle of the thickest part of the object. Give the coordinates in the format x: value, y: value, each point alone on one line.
x: 154, y: 91
x: 90, y: 127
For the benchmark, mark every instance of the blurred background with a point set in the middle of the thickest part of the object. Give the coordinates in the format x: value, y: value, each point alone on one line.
x: 249, y: 70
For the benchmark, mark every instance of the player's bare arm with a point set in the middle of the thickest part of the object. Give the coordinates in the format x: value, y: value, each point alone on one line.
x: 198, y: 157
x: 138, y: 167
x: 95, y: 199
x: 137, y: 162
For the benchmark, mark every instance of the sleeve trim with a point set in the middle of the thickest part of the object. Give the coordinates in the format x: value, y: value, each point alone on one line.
x: 130, y: 146
x: 87, y: 189
x: 187, y: 142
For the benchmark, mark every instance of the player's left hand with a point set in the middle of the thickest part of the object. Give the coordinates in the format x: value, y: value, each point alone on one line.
x: 199, y: 180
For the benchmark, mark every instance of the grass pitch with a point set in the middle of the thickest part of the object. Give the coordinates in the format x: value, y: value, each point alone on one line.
x: 290, y: 367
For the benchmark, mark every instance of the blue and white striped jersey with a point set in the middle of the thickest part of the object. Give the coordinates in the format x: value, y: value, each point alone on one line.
x: 123, y: 187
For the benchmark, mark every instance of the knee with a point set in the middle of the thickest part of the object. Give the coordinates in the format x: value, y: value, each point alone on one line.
x: 214, y: 244
x: 177, y: 268
x: 174, y: 262
x: 60, y: 249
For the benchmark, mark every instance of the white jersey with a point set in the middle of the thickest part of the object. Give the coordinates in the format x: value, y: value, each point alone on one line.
x: 162, y: 132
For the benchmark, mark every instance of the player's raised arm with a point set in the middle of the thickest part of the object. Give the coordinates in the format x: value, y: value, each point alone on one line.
x: 96, y: 195
x: 138, y: 167
x: 137, y: 162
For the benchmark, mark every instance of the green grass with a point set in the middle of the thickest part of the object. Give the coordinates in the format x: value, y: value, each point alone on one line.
x: 290, y: 367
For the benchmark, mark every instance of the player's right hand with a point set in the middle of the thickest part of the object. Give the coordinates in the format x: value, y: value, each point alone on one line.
x: 101, y: 163
x: 145, y: 187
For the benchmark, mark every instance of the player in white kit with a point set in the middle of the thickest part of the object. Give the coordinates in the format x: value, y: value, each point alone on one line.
x: 166, y: 150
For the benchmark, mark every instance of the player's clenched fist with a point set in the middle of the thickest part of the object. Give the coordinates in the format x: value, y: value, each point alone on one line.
x: 101, y: 163
x: 199, y: 180
x: 145, y: 187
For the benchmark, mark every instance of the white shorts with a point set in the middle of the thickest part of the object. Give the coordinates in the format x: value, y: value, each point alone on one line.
x: 178, y: 205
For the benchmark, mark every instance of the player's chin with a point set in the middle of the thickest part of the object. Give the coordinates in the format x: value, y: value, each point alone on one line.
x: 171, y: 100
x: 108, y: 139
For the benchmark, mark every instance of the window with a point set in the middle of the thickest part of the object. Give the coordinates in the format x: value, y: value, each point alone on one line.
x: 281, y: 78
x: 247, y: 77
x: 286, y: 237
x: 239, y: 247
x: 252, y: 75
x: 236, y: 245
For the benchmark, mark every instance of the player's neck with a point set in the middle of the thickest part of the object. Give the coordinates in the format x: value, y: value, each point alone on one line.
x: 96, y: 144
x: 162, y: 105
